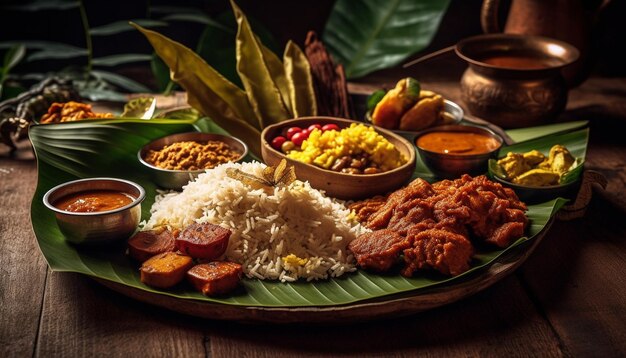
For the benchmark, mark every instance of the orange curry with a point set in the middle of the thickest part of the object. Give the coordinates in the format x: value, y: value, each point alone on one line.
x: 461, y: 143
x: 94, y: 201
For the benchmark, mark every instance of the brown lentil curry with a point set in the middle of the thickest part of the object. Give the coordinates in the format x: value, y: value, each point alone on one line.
x: 191, y: 155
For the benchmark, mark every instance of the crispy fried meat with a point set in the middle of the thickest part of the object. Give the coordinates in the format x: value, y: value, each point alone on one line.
x: 378, y: 250
x: 431, y: 225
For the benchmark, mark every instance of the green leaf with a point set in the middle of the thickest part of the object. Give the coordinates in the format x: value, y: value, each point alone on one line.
x: 118, y: 27
x: 160, y: 71
x: 207, y: 90
x: 196, y: 17
x: 101, y: 94
x: 70, y: 151
x: 261, y: 74
x: 169, y: 9
x: 524, y: 134
x: 180, y: 113
x: 40, y: 5
x: 115, y: 60
x: 370, y: 35
x: 13, y: 57
x: 121, y: 81
x: 142, y: 107
x: 374, y: 98
x: 49, y: 50
x: 299, y: 81
x: 496, y: 169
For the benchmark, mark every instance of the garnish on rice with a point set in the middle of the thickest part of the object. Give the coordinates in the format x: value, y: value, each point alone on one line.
x: 282, y: 174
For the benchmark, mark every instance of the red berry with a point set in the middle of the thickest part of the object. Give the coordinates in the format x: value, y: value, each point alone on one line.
x: 330, y: 127
x: 314, y: 126
x: 298, y: 138
x: 278, y: 142
x: 291, y: 131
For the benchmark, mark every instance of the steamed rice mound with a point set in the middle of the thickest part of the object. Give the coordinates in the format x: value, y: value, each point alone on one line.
x: 284, y: 233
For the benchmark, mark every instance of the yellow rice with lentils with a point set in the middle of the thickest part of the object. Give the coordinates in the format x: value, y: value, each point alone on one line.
x: 323, y: 148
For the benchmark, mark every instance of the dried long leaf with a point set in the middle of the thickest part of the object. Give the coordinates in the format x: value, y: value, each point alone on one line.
x: 280, y: 175
x: 263, y: 94
x: 277, y: 71
x: 300, y: 81
x: 283, y: 174
x: 207, y: 90
x: 248, y: 179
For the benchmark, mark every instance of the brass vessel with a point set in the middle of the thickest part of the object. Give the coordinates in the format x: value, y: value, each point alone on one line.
x: 514, y: 80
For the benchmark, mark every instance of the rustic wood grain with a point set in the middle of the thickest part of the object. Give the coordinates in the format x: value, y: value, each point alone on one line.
x: 23, y: 268
x: 83, y: 319
x: 578, y: 276
x: 509, y: 326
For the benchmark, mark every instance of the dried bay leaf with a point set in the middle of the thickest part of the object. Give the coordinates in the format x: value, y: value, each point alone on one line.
x: 300, y: 81
x: 280, y: 175
x: 263, y: 93
x: 283, y: 174
x: 207, y: 90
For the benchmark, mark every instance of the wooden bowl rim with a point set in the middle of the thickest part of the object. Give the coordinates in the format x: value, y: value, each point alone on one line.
x: 408, y: 145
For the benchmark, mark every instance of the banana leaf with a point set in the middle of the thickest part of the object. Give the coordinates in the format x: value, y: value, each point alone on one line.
x: 92, y: 148
x: 370, y: 35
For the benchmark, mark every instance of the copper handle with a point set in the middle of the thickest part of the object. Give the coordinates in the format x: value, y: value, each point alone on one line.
x: 489, y: 16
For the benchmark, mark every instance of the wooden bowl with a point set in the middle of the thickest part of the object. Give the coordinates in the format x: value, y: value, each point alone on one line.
x: 341, y: 185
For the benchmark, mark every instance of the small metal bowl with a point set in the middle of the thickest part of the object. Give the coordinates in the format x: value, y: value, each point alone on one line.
x: 97, y: 227
x: 450, y: 166
x: 176, y: 179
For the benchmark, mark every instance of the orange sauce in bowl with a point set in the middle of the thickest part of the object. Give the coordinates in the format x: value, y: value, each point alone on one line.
x: 459, y: 143
x: 94, y: 201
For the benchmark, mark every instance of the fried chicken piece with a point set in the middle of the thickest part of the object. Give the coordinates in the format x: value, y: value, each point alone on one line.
x: 439, y: 249
x: 365, y: 208
x: 418, y: 188
x: 407, y: 214
x: 485, y: 207
x: 431, y: 224
x: 378, y: 250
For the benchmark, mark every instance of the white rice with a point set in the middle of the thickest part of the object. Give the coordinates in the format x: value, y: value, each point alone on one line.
x: 266, y: 227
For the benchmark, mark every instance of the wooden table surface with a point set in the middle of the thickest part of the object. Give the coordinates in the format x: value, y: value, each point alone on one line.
x: 568, y: 299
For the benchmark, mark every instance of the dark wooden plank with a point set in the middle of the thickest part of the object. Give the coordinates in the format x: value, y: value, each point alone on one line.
x: 23, y: 267
x: 500, y: 321
x: 82, y: 319
x: 578, y: 275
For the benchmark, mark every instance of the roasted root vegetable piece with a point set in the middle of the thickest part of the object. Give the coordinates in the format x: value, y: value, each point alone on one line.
x: 388, y: 111
x: 203, y: 241
x: 165, y: 270
x: 423, y: 114
x: 215, y: 278
x: 146, y: 244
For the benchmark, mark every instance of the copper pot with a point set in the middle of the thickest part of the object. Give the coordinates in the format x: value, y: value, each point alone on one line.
x: 513, y: 80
